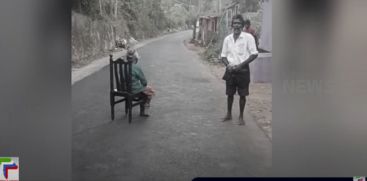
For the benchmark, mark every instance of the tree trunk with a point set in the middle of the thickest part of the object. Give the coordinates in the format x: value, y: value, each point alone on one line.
x: 116, y: 2
x: 79, y: 6
x: 100, y: 7
x: 194, y: 33
x: 220, y: 7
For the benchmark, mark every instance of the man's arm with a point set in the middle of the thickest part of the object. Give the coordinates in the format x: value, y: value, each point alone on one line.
x: 225, y: 61
x: 248, y: 61
x: 224, y: 53
x: 254, y: 53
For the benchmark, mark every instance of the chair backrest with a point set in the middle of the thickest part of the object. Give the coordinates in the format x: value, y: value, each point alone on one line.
x: 120, y: 74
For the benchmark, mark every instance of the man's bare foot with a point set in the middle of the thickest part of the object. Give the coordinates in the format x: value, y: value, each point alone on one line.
x: 227, y: 118
x: 144, y: 115
x: 241, y: 122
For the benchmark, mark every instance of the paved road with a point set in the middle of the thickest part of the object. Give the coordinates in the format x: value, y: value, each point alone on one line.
x: 184, y: 137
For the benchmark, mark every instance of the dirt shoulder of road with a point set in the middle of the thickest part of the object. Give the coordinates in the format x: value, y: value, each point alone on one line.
x: 82, y: 70
x: 84, y: 62
x: 259, y: 102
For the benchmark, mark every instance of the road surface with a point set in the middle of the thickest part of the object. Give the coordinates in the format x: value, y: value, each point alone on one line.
x: 184, y: 138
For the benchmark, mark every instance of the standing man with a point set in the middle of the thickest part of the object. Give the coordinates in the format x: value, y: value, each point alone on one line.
x: 239, y: 50
x: 250, y: 30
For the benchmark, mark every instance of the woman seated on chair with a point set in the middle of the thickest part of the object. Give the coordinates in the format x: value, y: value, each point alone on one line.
x: 139, y: 82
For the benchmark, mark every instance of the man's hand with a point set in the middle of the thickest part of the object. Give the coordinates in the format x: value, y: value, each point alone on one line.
x: 230, y: 68
x: 225, y: 61
x: 236, y: 68
x: 233, y: 68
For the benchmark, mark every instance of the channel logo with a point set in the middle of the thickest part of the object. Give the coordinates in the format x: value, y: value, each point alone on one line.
x: 359, y: 179
x: 9, y: 169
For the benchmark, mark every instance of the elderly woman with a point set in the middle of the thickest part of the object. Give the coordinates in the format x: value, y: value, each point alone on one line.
x: 139, y: 82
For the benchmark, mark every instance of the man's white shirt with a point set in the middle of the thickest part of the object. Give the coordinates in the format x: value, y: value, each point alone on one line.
x: 239, y: 51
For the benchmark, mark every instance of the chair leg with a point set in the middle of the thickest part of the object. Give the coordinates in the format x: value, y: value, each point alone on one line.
x: 112, y: 102
x: 130, y: 110
x: 142, y: 105
x: 142, y: 108
x: 126, y: 106
x: 112, y: 112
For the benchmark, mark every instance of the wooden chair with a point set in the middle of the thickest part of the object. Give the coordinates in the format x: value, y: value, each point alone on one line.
x: 120, y: 86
